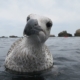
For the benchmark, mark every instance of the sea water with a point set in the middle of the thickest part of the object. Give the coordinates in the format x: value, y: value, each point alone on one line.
x: 66, y: 56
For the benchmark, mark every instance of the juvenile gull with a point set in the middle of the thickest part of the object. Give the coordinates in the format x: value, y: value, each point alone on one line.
x: 30, y: 54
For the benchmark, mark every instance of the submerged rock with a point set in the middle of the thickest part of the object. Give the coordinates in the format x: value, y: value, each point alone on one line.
x: 77, y: 33
x: 64, y: 34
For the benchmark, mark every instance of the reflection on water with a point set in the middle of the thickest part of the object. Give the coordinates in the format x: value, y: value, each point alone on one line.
x: 19, y: 77
x: 66, y: 55
x: 43, y: 75
x: 28, y: 78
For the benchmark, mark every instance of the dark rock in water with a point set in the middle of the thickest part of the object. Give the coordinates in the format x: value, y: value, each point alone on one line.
x: 77, y: 33
x: 3, y: 37
x: 64, y: 34
x: 13, y: 36
x: 52, y: 35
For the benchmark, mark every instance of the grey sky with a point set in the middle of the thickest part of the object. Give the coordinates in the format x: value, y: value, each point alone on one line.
x: 65, y: 15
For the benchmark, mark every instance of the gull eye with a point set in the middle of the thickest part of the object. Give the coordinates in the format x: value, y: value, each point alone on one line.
x: 28, y: 18
x: 49, y: 24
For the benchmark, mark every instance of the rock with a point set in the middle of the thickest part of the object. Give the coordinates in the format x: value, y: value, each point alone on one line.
x: 52, y: 35
x: 64, y: 34
x: 13, y: 36
x: 3, y: 37
x: 77, y: 33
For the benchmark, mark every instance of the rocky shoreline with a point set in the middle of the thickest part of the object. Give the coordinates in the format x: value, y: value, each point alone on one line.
x: 60, y: 34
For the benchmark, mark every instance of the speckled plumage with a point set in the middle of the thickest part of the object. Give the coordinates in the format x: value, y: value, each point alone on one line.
x: 28, y: 55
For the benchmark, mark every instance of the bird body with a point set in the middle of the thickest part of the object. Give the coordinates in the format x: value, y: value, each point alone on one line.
x: 30, y: 54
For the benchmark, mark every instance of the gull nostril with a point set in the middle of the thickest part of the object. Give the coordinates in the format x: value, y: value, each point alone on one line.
x: 48, y: 24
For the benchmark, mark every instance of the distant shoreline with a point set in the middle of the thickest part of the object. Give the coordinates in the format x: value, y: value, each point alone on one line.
x: 60, y: 34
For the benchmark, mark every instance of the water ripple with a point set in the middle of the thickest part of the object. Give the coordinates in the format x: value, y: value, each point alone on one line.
x: 66, y: 55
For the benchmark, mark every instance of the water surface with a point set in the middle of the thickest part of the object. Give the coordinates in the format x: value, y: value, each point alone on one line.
x: 66, y: 55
